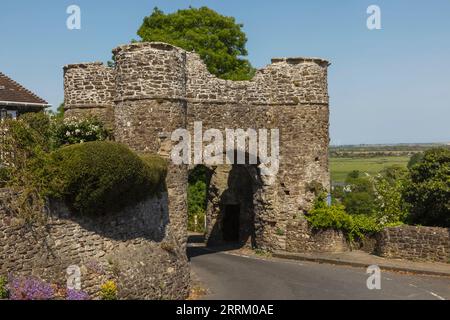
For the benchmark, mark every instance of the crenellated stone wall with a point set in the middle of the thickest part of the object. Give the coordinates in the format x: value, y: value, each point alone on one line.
x: 159, y: 88
x: 133, y: 248
x: 291, y: 95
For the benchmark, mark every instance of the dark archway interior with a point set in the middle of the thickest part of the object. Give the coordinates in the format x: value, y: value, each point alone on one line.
x: 231, y: 223
x: 234, y: 217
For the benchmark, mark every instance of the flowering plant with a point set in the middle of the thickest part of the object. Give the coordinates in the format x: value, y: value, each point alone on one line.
x: 29, y: 289
x: 77, y: 295
x: 108, y: 290
x: 73, y: 130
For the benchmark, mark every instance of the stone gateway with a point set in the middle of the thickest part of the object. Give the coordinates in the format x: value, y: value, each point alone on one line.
x: 156, y: 88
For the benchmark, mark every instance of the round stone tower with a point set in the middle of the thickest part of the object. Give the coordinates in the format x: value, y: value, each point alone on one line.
x: 89, y: 90
x: 150, y: 105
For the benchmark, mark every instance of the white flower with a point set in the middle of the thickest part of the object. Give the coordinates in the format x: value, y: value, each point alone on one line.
x: 68, y: 134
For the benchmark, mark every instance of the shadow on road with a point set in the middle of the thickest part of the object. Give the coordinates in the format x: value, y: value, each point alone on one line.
x: 197, y: 247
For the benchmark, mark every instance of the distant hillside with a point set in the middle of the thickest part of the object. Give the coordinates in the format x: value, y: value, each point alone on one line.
x: 381, y: 150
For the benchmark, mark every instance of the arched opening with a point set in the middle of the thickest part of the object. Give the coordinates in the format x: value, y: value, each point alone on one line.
x: 198, y: 184
x: 230, y: 215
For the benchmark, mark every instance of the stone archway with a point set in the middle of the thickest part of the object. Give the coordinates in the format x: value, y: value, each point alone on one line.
x: 230, y: 215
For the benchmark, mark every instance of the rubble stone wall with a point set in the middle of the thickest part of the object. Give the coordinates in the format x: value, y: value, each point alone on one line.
x: 131, y: 248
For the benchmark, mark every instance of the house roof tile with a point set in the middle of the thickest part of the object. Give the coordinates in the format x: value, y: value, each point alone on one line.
x: 11, y: 91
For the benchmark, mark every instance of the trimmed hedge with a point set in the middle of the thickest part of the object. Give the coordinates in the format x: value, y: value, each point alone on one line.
x: 99, y: 177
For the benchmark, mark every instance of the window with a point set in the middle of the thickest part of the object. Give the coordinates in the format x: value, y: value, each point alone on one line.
x: 12, y: 114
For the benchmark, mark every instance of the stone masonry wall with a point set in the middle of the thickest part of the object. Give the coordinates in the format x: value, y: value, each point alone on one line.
x: 414, y: 243
x: 150, y: 105
x: 302, y: 238
x: 291, y: 95
x: 89, y: 90
x: 159, y: 88
x: 131, y: 248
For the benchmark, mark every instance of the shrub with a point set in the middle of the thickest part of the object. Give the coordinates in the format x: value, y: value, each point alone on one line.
x: 428, y: 193
x: 98, y: 177
x: 335, y: 217
x: 3, y: 288
x: 5, y: 175
x: 19, y: 142
x: 40, y: 122
x: 108, y: 291
x: 73, y: 130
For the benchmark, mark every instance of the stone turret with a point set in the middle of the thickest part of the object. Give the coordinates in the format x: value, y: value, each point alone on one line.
x: 150, y: 105
x: 89, y: 89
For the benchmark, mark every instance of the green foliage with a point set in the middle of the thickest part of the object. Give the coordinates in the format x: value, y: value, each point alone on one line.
x: 5, y: 175
x: 389, y: 202
x: 108, y: 291
x: 219, y: 40
x: 428, y: 193
x: 379, y: 197
x: 416, y: 158
x: 98, y: 177
x: 72, y: 131
x: 361, y: 198
x: 60, y: 111
x: 335, y: 217
x: 4, y: 288
x: 40, y: 122
x: 23, y: 138
x: 197, y: 189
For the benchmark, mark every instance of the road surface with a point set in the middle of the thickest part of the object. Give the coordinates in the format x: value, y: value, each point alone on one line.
x: 231, y: 276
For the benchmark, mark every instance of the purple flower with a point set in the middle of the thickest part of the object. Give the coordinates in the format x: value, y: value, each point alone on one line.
x: 77, y: 295
x: 29, y: 289
x: 95, y: 267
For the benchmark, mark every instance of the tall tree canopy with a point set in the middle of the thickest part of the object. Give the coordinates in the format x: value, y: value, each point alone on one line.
x: 218, y: 39
x: 429, y: 190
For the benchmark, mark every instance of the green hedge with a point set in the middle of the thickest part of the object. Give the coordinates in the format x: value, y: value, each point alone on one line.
x: 335, y: 217
x: 98, y: 177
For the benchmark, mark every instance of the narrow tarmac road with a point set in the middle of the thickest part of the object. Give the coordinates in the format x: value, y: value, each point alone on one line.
x: 228, y: 276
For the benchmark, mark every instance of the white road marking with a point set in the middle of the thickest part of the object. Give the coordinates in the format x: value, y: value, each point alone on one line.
x: 435, y: 295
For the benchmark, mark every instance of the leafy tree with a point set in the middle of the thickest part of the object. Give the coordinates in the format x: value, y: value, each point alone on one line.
x: 59, y: 114
x: 60, y: 111
x: 197, y: 192
x: 429, y: 190
x: 415, y: 158
x: 390, y: 207
x: 361, y: 198
x: 218, y: 39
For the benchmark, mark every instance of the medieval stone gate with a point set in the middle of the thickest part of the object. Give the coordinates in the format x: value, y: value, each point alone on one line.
x: 156, y: 88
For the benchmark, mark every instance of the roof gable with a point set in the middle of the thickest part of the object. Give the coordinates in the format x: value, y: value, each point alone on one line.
x: 11, y: 91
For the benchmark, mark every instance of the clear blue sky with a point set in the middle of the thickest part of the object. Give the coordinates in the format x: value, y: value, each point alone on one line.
x: 386, y: 86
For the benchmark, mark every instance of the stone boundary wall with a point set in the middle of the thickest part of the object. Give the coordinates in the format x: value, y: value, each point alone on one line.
x: 131, y: 248
x: 414, y: 243
x: 302, y: 238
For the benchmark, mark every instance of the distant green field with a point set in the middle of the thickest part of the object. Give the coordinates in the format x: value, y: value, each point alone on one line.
x: 340, y: 167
